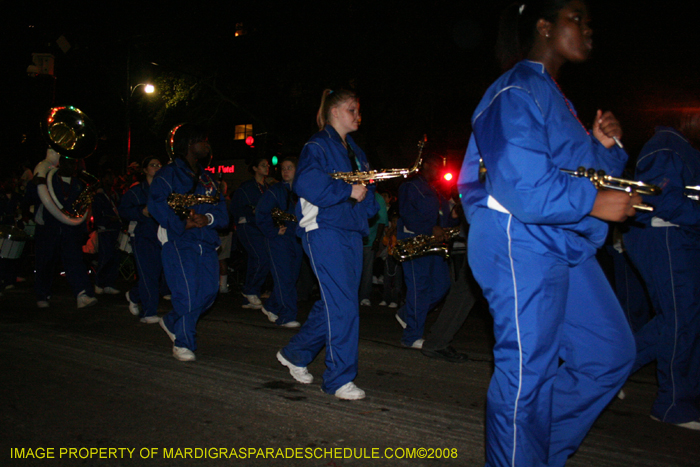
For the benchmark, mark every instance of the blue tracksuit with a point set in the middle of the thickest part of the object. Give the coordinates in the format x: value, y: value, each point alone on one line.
x: 427, y: 278
x: 531, y: 248
x: 146, y: 248
x: 189, y: 256
x: 665, y: 247
x: 331, y: 229
x: 54, y: 238
x: 242, y: 211
x: 284, y: 251
x: 108, y: 225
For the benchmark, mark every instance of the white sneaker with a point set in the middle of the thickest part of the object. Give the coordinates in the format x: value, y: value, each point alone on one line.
x: 365, y: 302
x: 350, y: 392
x: 85, y: 300
x: 253, y: 299
x: 99, y: 290
x: 42, y: 304
x: 224, y: 289
x: 621, y: 395
x: 167, y: 331
x: 133, y: 306
x: 183, y: 354
x: 401, y: 322
x: 393, y: 305
x: 150, y: 319
x: 111, y: 291
x: 167, y: 297
x: 270, y: 315
x: 692, y: 425
x: 299, y: 373
x: 382, y: 303
x: 291, y: 325
x: 416, y: 344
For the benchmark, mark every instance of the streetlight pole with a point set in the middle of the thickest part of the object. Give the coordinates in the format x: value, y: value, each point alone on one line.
x: 148, y: 89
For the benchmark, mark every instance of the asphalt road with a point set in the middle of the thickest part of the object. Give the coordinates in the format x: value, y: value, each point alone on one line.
x: 96, y: 387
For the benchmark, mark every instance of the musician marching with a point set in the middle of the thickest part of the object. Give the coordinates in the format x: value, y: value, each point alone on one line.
x: 189, y: 254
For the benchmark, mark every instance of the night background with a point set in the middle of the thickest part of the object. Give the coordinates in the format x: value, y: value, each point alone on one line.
x: 420, y: 68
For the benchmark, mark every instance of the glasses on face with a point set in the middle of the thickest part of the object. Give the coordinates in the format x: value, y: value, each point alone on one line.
x: 156, y: 164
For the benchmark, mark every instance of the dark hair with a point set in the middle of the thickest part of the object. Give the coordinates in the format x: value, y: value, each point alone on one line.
x: 256, y: 162
x: 186, y: 134
x: 518, y: 25
x: 330, y: 99
x: 148, y: 159
x: 291, y: 159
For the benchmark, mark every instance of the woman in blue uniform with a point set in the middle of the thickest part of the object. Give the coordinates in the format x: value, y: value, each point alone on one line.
x: 146, y: 246
x: 242, y: 209
x: 333, y: 217
x: 283, y: 247
x: 189, y: 254
x: 665, y: 246
x: 563, y: 347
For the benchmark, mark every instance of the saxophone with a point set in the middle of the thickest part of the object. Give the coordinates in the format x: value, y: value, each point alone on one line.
x: 181, y: 202
x: 280, y: 217
x: 374, y: 176
x: 421, y: 245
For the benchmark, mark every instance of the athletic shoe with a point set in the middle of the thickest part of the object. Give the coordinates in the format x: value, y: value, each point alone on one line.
x: 401, y: 322
x: 183, y: 354
x: 270, y: 315
x: 224, y: 289
x: 621, y: 395
x: 692, y: 425
x: 150, y: 319
x: 85, y: 300
x: 42, y: 304
x: 133, y: 306
x: 111, y: 291
x: 253, y: 299
x: 291, y: 325
x: 382, y: 303
x: 167, y: 297
x: 167, y: 331
x: 393, y: 305
x: 99, y: 290
x: 365, y: 302
x: 350, y: 392
x: 299, y: 373
x: 418, y: 344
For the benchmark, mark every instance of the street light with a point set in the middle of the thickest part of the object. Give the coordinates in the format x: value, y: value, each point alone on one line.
x: 148, y: 89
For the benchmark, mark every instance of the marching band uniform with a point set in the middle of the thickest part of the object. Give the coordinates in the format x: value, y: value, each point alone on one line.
x: 427, y: 277
x: 189, y: 256
x: 331, y: 228
x: 284, y: 251
x: 665, y: 247
x: 531, y: 248
x: 108, y: 224
x: 146, y: 247
x: 242, y: 210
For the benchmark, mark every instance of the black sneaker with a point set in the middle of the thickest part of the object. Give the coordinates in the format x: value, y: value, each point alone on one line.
x: 448, y: 354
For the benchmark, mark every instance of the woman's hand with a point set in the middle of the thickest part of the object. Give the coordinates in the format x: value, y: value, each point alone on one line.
x: 606, y: 127
x: 359, y: 192
x: 615, y: 206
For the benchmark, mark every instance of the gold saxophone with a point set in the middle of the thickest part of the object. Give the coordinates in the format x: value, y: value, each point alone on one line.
x: 182, y: 203
x: 280, y: 217
x: 421, y: 245
x: 374, y: 176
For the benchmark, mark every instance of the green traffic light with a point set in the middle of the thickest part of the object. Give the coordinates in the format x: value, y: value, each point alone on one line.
x: 274, y: 160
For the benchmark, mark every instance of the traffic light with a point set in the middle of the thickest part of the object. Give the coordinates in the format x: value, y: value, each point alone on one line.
x: 249, y: 141
x: 447, y: 176
x: 275, y: 160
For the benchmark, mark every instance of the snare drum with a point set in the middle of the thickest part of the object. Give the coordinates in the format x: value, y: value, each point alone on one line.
x: 124, y: 242
x: 12, y: 242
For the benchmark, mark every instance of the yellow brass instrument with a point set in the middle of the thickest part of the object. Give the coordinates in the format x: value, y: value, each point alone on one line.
x: 602, y: 181
x: 181, y: 203
x: 374, y: 176
x: 70, y: 133
x: 421, y: 245
x: 280, y: 217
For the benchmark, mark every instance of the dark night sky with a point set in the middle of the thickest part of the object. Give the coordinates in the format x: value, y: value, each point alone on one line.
x: 420, y: 68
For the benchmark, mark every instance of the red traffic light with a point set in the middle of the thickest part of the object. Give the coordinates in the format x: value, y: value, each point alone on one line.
x: 249, y: 140
x: 447, y: 176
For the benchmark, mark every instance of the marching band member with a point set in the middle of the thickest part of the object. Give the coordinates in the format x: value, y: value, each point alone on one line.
x: 283, y: 247
x: 333, y: 217
x: 189, y: 254
x: 242, y: 210
x: 145, y: 244
x: 108, y: 225
x: 423, y: 211
x: 54, y: 238
x: 665, y: 247
x: 563, y: 347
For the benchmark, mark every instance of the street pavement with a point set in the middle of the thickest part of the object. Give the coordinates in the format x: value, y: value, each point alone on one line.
x: 96, y: 387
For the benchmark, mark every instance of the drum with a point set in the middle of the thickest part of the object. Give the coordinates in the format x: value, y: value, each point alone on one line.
x: 124, y: 242
x: 12, y: 242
